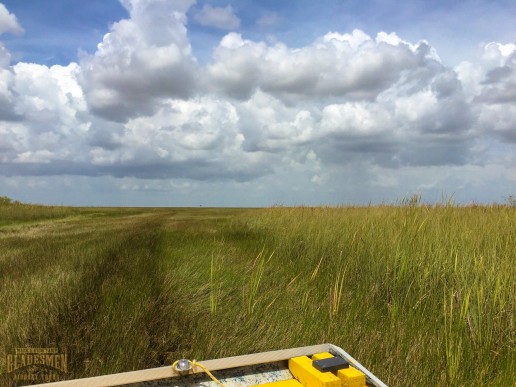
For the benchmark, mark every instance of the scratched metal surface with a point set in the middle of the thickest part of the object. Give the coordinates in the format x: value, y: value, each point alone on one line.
x: 243, y: 376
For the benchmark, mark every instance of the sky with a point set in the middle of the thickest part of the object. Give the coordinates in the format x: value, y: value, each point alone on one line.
x: 257, y: 102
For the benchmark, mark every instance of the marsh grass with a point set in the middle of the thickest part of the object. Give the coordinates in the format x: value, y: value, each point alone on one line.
x: 337, y: 290
x: 432, y: 287
x: 214, y: 286
x: 421, y: 295
x: 18, y: 212
x: 255, y: 278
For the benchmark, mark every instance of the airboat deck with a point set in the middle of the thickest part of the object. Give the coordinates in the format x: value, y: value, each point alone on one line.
x: 295, y: 367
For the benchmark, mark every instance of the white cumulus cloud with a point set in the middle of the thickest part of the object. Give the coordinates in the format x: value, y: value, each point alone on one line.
x: 142, y: 59
x: 377, y: 111
x: 8, y: 22
x: 353, y: 66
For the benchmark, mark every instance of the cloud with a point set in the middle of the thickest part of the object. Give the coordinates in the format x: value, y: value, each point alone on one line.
x: 7, y: 112
x: 270, y: 19
x: 347, y: 97
x: 57, y: 134
x: 492, y: 84
x: 223, y: 18
x: 181, y: 6
x: 8, y: 22
x: 141, y: 60
x: 198, y: 139
x: 348, y: 106
x: 353, y: 66
x: 47, y: 102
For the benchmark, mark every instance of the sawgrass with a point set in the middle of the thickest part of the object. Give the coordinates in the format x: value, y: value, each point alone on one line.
x: 11, y: 212
x: 420, y: 295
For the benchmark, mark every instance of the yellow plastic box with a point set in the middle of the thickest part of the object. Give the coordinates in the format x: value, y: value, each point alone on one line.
x: 302, y: 369
x: 350, y: 377
x: 322, y: 355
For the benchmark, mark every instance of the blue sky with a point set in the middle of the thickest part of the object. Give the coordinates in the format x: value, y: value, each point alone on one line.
x: 55, y: 31
x: 252, y: 103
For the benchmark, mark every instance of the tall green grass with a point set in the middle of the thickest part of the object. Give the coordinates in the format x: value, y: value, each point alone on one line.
x: 421, y: 295
x: 13, y: 211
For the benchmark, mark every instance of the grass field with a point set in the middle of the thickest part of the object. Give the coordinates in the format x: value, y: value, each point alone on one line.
x: 422, y: 296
